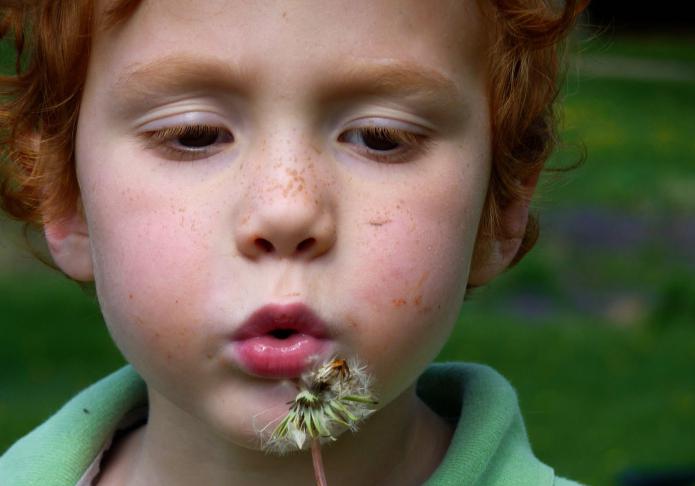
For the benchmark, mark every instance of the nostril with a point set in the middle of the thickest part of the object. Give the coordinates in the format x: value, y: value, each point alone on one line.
x: 264, y: 245
x: 305, y: 245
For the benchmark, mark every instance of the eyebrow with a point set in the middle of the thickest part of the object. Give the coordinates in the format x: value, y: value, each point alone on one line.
x: 171, y: 75
x: 391, y: 77
x: 435, y: 94
x: 177, y: 74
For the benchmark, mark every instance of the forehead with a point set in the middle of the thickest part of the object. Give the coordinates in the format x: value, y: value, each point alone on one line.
x: 445, y: 37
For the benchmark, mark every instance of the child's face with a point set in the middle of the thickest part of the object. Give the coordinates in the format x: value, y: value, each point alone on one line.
x: 288, y: 194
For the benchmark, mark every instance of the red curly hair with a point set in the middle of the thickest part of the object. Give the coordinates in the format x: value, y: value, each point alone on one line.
x: 39, y: 105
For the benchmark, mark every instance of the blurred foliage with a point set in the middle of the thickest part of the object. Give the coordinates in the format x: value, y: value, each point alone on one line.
x: 675, y: 305
x: 652, y: 46
x: 639, y: 137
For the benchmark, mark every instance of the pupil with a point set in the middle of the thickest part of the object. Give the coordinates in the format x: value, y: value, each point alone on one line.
x: 198, y: 140
x: 376, y: 141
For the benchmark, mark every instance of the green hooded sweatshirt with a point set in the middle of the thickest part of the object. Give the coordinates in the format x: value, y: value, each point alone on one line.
x: 489, y: 446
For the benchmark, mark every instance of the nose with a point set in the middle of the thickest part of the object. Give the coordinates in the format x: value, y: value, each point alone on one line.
x: 287, y: 214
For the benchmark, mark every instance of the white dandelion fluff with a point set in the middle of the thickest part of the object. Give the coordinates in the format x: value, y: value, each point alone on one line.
x: 333, y: 397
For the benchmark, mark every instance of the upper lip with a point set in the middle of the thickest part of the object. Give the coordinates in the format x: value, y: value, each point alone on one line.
x: 297, y: 318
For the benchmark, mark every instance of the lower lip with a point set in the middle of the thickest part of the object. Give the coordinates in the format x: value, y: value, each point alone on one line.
x: 270, y: 357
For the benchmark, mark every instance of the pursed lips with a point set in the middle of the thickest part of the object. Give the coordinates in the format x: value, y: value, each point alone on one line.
x: 280, y: 341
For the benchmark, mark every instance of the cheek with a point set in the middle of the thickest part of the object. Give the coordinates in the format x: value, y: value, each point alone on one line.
x: 410, y: 285
x: 409, y: 276
x: 414, y: 264
x: 149, y: 271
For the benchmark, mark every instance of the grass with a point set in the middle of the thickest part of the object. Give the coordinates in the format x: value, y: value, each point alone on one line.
x: 640, y: 145
x: 599, y: 340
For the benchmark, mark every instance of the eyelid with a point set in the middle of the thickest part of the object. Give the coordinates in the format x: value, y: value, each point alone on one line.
x: 182, y: 119
x: 389, y: 123
x: 159, y: 141
x: 415, y: 139
x: 159, y: 131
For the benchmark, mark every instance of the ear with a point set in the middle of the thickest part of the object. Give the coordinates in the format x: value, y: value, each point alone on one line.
x: 68, y: 242
x: 494, y: 256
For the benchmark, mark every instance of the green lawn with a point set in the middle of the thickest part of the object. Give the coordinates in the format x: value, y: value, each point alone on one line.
x: 639, y: 137
x: 595, y: 329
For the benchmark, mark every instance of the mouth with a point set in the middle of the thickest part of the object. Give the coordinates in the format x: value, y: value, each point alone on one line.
x: 280, y: 341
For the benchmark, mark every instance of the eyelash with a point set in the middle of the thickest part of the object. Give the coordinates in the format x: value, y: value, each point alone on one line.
x: 407, y: 144
x: 165, y: 138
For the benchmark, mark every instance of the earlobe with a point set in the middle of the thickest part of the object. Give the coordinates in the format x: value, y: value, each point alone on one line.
x: 494, y: 255
x: 68, y: 242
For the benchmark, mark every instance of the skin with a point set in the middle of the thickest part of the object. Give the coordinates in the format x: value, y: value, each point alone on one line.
x: 288, y: 205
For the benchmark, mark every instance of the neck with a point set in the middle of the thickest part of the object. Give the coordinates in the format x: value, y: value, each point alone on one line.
x: 386, y: 451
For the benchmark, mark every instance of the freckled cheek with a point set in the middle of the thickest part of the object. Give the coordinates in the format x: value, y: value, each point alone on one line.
x: 406, y: 292
x: 410, y: 271
x: 150, y: 282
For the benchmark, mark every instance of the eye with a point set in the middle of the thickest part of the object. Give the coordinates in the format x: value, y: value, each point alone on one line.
x: 384, y: 144
x: 189, y: 142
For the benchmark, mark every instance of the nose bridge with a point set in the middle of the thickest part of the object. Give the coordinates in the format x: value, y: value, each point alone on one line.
x: 286, y: 173
x: 287, y: 209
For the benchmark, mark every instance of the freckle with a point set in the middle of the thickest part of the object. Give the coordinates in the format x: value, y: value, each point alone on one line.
x: 399, y: 302
x: 379, y: 222
x: 422, y: 280
x: 351, y: 322
x: 418, y: 301
x: 176, y: 301
x: 130, y: 296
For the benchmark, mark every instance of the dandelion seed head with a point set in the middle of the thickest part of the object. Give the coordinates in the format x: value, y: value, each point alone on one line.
x: 333, y: 397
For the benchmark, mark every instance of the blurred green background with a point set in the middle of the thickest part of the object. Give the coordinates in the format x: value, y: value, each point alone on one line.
x: 595, y: 328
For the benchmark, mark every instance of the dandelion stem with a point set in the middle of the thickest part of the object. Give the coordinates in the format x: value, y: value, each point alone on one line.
x: 319, y: 472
